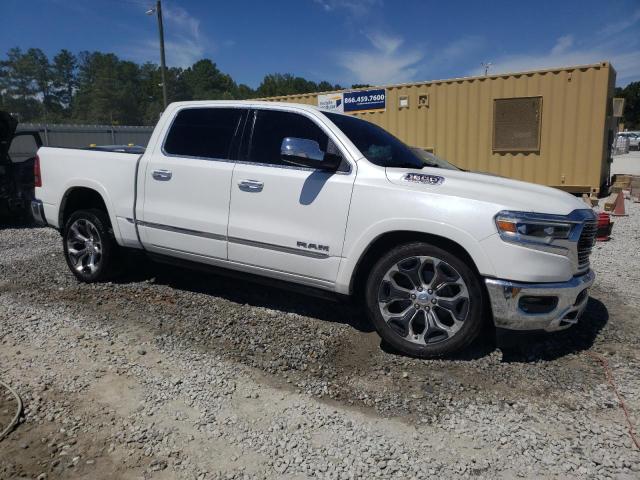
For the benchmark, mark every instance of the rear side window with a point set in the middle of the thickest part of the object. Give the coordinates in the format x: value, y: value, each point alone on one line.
x: 203, y: 132
x: 272, y: 126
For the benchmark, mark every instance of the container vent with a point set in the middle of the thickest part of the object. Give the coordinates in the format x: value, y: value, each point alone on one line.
x: 516, y: 124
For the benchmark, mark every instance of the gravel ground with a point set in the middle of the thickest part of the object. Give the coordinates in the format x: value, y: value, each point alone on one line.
x: 174, y: 374
x: 628, y: 163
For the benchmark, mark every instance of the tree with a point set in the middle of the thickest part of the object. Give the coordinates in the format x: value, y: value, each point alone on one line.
x: 206, y: 82
x: 108, y: 90
x: 279, y: 84
x: 19, y: 89
x: 244, y: 92
x: 40, y: 74
x: 64, y: 69
x: 96, y: 87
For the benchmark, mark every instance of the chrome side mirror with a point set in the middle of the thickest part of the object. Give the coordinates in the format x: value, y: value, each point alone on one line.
x: 306, y: 153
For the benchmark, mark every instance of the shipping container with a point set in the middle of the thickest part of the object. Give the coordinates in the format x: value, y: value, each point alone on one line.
x: 553, y: 127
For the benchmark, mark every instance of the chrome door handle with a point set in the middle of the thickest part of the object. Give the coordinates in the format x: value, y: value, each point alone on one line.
x: 162, y: 175
x: 250, y: 185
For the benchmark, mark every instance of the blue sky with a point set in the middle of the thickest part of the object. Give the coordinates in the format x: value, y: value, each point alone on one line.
x: 342, y: 41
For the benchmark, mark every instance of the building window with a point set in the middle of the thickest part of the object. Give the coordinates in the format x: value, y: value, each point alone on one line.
x: 516, y: 124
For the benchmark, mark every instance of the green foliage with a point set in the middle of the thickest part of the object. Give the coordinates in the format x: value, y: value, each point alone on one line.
x: 631, y: 94
x: 278, y: 84
x: 96, y: 87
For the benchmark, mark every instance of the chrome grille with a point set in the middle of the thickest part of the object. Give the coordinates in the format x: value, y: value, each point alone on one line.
x: 585, y: 244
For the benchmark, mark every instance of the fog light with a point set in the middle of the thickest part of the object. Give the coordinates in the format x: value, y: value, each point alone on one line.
x: 530, y: 304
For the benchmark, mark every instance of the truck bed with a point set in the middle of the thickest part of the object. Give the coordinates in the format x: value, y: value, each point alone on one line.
x: 112, y: 174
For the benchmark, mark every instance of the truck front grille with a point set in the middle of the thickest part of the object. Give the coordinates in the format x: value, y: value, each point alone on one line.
x: 585, y: 244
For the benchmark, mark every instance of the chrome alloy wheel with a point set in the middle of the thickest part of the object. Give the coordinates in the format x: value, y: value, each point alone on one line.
x: 424, y: 300
x: 84, y: 246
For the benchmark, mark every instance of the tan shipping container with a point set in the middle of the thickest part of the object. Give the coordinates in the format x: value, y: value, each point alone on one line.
x: 552, y: 127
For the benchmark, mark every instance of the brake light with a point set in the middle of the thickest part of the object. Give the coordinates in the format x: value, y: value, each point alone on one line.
x: 37, y: 177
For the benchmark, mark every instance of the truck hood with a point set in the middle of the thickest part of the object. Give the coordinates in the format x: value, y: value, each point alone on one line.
x: 505, y: 193
x: 8, y: 126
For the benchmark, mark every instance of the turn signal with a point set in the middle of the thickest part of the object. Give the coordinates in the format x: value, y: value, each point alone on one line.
x: 506, y: 226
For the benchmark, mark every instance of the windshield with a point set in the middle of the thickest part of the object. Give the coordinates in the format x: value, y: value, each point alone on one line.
x: 432, y: 160
x: 376, y: 144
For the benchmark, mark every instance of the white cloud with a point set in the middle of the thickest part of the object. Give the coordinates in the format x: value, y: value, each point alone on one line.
x: 386, y: 62
x: 182, y: 20
x: 621, y: 25
x: 563, y: 44
x: 564, y: 53
x: 353, y: 6
x: 184, y: 41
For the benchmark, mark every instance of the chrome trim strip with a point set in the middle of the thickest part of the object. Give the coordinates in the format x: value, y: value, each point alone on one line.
x: 185, y: 231
x: 236, y: 240
x: 293, y: 167
x: 278, y: 248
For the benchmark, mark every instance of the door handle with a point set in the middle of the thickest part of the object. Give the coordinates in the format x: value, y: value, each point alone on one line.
x: 162, y: 175
x: 250, y: 185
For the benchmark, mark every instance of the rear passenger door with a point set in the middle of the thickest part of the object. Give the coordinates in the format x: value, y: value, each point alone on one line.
x: 285, y: 219
x: 188, y: 181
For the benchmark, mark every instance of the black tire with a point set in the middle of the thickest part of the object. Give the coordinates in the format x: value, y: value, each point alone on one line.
x: 108, y: 263
x: 400, y: 333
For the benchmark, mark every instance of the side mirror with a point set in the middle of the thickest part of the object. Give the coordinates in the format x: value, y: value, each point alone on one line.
x: 306, y: 153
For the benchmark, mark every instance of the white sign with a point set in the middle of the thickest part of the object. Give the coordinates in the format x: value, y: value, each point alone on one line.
x: 332, y: 102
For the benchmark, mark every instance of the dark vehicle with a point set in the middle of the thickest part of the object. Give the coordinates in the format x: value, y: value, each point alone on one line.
x: 16, y: 170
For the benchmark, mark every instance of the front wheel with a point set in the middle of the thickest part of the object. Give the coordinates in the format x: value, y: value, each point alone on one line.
x: 424, y: 301
x: 90, y: 249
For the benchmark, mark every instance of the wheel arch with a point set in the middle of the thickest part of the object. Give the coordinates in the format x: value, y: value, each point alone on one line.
x: 385, y: 241
x: 81, y: 198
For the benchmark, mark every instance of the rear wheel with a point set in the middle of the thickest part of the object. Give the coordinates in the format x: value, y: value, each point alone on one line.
x: 90, y: 248
x: 424, y: 301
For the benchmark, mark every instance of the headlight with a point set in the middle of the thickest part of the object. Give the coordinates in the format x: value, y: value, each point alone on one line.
x: 534, y: 228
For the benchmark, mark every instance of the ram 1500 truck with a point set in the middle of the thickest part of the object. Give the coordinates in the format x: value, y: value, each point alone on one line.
x: 332, y: 202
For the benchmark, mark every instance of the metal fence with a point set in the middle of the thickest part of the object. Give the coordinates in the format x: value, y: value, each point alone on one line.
x: 78, y: 136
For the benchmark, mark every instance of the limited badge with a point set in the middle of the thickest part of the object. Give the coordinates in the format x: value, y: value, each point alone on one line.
x: 424, y: 178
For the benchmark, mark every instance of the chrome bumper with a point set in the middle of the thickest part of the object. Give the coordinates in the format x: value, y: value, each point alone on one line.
x: 506, y: 296
x: 37, y: 210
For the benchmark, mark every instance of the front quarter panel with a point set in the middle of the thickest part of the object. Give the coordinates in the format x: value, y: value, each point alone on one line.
x: 379, y: 207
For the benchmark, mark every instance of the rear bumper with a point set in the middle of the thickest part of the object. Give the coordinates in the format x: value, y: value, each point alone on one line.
x: 565, y: 303
x: 37, y: 210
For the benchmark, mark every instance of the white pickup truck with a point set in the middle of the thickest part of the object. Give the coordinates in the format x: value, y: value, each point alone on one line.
x: 331, y: 202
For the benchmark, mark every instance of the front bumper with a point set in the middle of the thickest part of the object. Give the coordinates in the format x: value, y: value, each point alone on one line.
x: 509, y: 300
x: 37, y: 210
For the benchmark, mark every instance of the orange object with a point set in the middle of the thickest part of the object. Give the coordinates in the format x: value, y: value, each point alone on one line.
x: 507, y: 226
x: 618, y: 206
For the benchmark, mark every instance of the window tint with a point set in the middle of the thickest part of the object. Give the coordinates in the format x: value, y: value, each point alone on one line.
x: 375, y: 143
x: 203, y: 132
x: 272, y: 126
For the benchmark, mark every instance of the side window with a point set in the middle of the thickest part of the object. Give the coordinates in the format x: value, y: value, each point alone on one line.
x: 272, y: 126
x: 203, y: 132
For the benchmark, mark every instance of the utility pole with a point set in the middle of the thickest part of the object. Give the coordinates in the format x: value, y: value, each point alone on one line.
x: 486, y: 66
x: 163, y: 66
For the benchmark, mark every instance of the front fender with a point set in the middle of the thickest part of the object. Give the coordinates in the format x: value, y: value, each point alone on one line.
x: 358, y: 247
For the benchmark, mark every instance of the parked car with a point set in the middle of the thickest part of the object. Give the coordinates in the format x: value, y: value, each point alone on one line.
x: 16, y: 174
x: 330, y: 202
x: 633, y: 139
